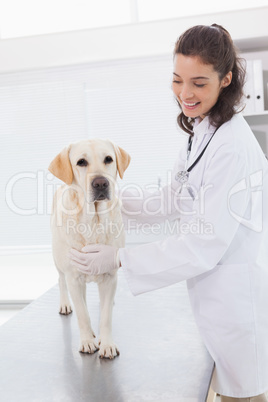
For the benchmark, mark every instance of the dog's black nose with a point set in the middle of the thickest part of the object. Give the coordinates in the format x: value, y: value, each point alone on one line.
x: 100, y: 183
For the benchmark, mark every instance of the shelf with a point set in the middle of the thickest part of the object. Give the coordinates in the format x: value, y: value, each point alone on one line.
x: 264, y: 113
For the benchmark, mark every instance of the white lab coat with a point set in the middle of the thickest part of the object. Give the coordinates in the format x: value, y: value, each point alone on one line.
x: 225, y: 261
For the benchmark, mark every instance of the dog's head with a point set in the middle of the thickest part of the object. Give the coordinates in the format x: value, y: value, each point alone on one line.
x: 92, y: 165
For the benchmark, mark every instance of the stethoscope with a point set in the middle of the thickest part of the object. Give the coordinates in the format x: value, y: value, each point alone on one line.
x: 183, y: 175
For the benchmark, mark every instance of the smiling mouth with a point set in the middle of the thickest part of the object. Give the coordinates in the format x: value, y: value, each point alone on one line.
x: 190, y: 105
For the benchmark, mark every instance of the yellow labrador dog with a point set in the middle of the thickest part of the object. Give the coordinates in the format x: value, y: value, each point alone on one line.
x: 86, y: 210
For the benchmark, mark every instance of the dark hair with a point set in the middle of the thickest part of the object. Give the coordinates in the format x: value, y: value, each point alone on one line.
x: 214, y: 45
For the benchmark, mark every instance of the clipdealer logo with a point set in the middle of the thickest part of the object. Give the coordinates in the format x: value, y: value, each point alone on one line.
x: 250, y: 215
x: 42, y: 187
x: 244, y: 201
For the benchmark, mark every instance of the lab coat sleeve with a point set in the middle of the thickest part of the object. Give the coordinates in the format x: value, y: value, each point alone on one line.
x: 143, y: 206
x: 184, y: 256
x: 153, y: 205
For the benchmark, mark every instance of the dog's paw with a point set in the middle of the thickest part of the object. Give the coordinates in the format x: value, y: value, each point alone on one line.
x: 65, y: 309
x: 108, y: 350
x: 88, y: 346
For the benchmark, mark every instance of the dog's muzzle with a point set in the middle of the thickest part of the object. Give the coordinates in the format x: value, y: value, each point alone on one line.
x: 100, y: 186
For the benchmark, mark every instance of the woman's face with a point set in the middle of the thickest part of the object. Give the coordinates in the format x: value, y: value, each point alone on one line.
x: 196, y: 85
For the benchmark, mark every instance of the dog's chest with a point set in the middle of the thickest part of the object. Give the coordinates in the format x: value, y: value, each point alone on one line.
x: 101, y: 229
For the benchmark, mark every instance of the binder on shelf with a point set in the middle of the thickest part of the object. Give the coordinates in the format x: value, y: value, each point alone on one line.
x: 249, y: 90
x: 253, y: 89
x: 258, y: 86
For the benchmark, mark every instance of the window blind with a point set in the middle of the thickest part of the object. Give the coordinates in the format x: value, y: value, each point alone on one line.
x: 127, y: 101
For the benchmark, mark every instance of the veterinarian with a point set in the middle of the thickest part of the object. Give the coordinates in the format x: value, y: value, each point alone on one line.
x: 221, y: 179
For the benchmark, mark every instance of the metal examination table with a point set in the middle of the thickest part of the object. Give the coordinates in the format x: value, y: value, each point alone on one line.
x: 162, y: 358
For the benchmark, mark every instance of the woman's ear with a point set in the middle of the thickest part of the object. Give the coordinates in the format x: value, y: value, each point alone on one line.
x: 61, y: 166
x: 226, y: 81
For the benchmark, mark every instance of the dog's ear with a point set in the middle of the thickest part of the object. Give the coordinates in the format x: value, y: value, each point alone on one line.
x: 61, y: 166
x: 122, y: 160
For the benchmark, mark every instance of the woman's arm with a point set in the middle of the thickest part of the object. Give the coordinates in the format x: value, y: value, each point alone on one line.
x: 143, y: 206
x: 159, y: 264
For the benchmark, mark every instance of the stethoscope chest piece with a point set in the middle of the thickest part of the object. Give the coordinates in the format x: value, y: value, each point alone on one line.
x: 182, y: 176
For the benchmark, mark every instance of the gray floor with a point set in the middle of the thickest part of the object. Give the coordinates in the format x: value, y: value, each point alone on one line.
x: 7, y: 314
x: 162, y: 357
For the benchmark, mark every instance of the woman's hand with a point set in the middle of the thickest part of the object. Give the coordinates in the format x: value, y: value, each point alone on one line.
x: 95, y: 259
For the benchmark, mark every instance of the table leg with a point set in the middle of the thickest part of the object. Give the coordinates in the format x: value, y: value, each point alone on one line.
x: 211, y: 395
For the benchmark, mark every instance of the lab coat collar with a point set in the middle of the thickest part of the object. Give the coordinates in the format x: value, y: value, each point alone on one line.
x: 202, y: 127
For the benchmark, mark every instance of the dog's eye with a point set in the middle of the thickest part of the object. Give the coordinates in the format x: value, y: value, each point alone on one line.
x: 82, y: 162
x: 108, y: 159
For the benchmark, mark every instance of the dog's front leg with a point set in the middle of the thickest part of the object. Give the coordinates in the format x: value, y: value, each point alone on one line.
x: 77, y: 289
x: 107, y: 288
x: 65, y: 305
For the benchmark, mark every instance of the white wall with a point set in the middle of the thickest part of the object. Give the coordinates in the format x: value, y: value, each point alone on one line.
x: 248, y: 28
